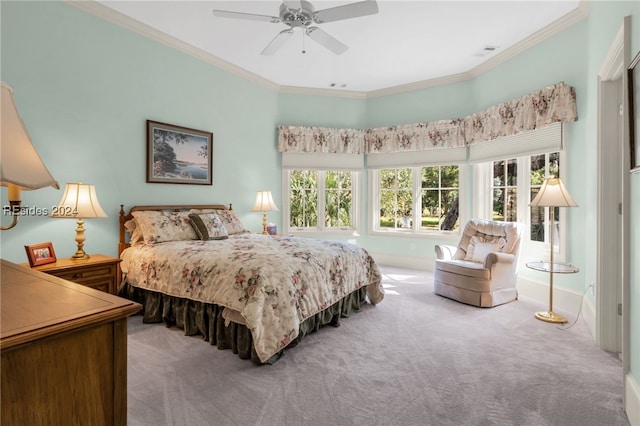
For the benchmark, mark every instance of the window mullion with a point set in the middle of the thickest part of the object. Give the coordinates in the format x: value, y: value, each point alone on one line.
x: 417, y: 198
x: 321, y: 200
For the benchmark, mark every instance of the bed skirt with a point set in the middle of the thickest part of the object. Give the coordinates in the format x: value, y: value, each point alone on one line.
x: 205, y: 319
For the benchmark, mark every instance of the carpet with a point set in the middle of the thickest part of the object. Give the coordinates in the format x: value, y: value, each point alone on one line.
x: 414, y: 359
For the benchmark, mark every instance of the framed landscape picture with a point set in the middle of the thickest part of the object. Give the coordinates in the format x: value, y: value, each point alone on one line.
x: 634, y: 113
x: 178, y: 154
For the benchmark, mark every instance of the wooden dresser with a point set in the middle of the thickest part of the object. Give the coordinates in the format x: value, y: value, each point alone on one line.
x: 98, y: 271
x: 64, y: 351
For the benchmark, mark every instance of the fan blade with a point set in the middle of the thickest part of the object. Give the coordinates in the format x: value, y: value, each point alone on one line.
x: 277, y: 42
x: 331, y: 43
x: 348, y: 11
x: 241, y: 15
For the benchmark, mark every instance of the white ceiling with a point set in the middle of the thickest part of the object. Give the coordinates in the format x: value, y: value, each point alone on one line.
x: 406, y: 43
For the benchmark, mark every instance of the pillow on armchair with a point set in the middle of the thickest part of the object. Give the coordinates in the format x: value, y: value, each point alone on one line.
x: 480, y: 247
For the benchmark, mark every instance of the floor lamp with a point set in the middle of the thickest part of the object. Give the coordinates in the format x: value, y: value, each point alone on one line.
x: 552, y: 194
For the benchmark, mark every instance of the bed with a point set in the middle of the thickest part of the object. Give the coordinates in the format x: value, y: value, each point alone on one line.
x: 196, y: 267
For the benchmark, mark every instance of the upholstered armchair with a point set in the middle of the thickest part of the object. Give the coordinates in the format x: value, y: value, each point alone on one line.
x: 482, y: 269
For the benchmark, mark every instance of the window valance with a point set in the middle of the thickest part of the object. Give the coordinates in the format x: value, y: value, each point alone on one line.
x: 321, y: 140
x: 536, y: 110
x: 553, y: 104
x: 415, y: 137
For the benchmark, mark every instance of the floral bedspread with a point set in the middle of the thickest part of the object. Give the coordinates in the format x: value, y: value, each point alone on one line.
x: 275, y: 283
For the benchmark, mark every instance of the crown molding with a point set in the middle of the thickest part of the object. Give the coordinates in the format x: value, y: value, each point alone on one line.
x: 559, y: 25
x: 419, y: 85
x: 110, y: 15
x: 117, y: 18
x: 568, y: 20
x: 334, y: 93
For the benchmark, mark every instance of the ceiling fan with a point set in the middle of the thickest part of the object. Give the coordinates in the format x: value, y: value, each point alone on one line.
x: 300, y: 14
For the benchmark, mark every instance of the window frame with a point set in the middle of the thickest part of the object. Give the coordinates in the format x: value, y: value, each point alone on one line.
x: 356, y: 191
x: 484, y: 192
x: 416, y: 228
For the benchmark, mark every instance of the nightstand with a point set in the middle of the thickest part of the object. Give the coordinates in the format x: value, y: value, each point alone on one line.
x: 99, y: 271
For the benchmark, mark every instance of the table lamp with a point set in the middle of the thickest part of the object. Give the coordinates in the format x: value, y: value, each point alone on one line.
x: 264, y: 202
x: 552, y: 194
x: 79, y: 202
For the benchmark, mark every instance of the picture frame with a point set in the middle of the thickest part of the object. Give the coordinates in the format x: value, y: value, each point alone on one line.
x: 634, y: 113
x: 177, y: 154
x: 40, y: 254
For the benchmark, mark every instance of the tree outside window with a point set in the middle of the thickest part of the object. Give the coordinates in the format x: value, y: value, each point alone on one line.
x: 505, y: 190
x: 303, y: 199
x: 321, y: 200
x: 396, y: 198
x: 439, y: 194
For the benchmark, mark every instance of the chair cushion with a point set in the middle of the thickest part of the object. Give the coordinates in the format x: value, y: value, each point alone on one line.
x: 464, y: 267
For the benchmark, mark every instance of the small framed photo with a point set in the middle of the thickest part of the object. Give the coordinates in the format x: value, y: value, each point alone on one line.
x: 40, y: 254
x: 178, y: 154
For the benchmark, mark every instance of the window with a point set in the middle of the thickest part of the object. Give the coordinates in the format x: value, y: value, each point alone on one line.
x: 396, y: 198
x: 505, y: 190
x: 439, y: 197
x: 542, y: 167
x: 512, y: 191
x: 416, y: 199
x: 321, y: 200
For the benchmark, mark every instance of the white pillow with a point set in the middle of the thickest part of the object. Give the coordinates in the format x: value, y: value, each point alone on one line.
x: 480, y: 247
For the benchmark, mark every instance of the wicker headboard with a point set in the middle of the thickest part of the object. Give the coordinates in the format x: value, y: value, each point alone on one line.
x: 124, y: 217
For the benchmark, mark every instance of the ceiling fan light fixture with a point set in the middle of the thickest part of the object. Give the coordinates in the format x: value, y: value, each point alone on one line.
x: 301, y: 14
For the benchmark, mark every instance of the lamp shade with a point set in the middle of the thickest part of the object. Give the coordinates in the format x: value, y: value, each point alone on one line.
x: 79, y: 202
x: 264, y: 202
x: 553, y: 194
x: 20, y: 164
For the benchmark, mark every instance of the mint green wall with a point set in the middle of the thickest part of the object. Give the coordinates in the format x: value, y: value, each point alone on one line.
x: 85, y: 87
x: 321, y: 111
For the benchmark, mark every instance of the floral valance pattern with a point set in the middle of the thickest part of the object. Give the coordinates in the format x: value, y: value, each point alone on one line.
x: 552, y: 104
x: 556, y: 103
x: 415, y: 137
x: 320, y: 139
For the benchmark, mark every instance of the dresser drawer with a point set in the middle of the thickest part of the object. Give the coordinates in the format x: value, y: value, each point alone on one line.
x: 86, y: 275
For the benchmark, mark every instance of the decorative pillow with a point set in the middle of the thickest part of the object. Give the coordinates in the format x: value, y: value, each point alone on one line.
x: 208, y: 226
x: 231, y: 222
x: 479, y: 248
x: 135, y: 234
x: 161, y: 226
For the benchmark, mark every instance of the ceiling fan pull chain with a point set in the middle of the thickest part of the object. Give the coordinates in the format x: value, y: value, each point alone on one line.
x: 303, y: 49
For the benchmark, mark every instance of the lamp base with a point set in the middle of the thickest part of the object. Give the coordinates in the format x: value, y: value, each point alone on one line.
x: 551, y: 316
x: 80, y: 255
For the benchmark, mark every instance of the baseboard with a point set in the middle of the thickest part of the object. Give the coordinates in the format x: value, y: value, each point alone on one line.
x: 565, y: 302
x: 632, y: 400
x: 421, y: 263
x: 589, y: 315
